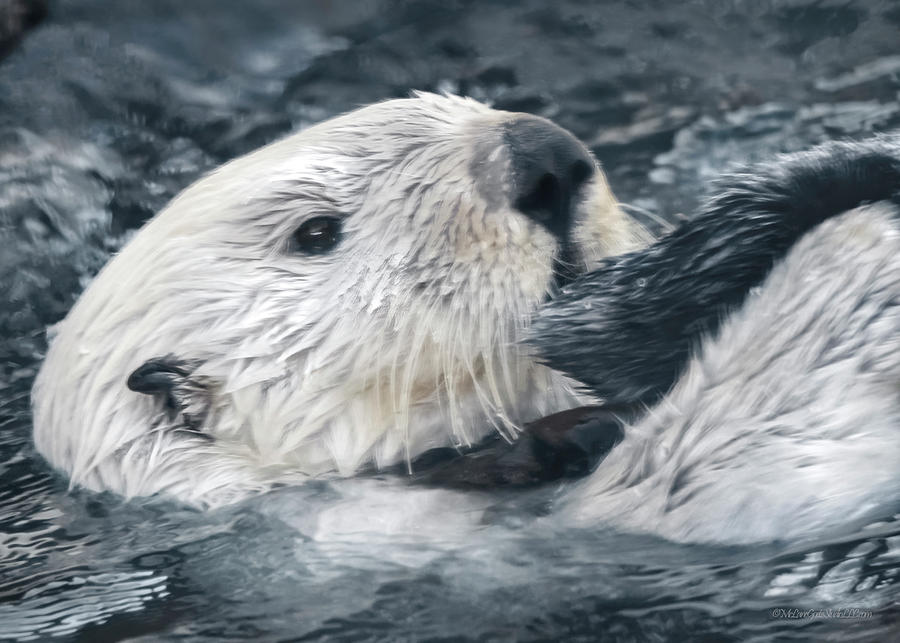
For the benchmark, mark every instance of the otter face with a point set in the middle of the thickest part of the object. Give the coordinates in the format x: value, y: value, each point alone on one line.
x: 346, y: 297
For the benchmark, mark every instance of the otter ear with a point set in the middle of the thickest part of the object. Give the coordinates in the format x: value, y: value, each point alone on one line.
x: 172, y: 381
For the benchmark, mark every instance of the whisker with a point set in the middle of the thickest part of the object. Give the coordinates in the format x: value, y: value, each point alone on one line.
x: 667, y: 226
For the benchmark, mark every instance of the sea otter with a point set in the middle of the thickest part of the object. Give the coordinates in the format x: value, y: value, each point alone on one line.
x: 747, y: 362
x: 340, y: 300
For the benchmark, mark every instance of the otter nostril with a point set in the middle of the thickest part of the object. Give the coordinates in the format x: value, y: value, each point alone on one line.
x: 541, y: 202
x: 580, y: 172
x: 548, y: 165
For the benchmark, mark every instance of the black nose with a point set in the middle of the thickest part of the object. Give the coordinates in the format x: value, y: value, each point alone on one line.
x: 549, y: 165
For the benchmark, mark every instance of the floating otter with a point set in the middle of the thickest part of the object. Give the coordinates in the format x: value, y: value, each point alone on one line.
x: 352, y: 296
x: 345, y: 298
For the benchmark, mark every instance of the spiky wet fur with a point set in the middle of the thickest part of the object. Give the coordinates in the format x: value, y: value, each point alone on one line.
x: 402, y: 339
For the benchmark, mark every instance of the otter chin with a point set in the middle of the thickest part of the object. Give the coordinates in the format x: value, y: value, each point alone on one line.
x: 340, y: 300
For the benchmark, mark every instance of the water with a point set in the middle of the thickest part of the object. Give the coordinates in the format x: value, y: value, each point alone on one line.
x: 109, y: 109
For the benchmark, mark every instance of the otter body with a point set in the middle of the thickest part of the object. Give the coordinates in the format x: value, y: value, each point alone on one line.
x: 343, y: 299
x: 762, y: 340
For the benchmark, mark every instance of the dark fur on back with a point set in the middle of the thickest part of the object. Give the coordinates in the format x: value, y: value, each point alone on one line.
x: 627, y: 329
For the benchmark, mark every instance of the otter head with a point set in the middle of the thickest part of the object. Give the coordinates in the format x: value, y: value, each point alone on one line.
x: 346, y: 297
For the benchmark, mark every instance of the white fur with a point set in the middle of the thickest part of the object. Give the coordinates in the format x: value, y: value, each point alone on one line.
x: 403, y: 339
x: 785, y: 425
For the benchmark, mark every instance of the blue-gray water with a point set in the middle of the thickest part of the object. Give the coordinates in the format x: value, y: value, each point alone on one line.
x: 110, y: 108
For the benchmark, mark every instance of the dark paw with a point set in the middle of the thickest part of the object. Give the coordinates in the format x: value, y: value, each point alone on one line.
x: 569, y: 444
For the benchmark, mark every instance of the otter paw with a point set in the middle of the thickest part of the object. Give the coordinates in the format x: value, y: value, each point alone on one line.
x: 569, y: 444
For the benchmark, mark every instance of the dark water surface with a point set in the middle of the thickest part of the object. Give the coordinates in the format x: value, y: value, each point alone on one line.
x: 110, y: 108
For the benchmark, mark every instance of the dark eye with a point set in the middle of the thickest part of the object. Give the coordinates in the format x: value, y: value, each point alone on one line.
x: 318, y: 236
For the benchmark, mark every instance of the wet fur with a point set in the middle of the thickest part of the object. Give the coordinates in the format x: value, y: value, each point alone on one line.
x: 776, y: 316
x: 628, y: 328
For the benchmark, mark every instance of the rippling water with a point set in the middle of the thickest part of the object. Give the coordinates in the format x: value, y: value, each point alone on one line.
x: 109, y: 109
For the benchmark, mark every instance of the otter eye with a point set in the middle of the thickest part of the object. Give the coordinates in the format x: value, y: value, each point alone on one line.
x: 318, y: 236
